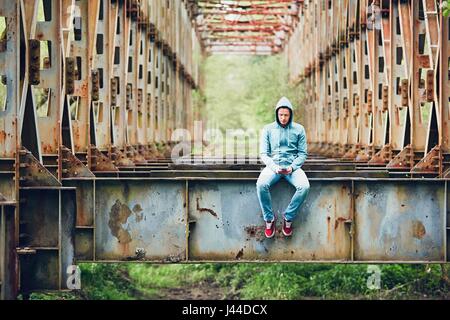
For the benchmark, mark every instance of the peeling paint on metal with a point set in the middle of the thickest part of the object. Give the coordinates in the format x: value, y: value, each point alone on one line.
x: 138, y: 212
x: 418, y: 229
x: 119, y: 215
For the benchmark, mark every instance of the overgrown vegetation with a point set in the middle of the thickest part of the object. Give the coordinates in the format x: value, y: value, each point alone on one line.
x: 242, y: 91
x: 445, y: 8
x: 240, y: 96
x: 258, y: 281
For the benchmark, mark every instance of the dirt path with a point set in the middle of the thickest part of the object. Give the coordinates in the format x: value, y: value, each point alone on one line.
x: 203, y: 291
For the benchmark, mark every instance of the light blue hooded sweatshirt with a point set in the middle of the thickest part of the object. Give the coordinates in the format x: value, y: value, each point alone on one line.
x: 283, y: 147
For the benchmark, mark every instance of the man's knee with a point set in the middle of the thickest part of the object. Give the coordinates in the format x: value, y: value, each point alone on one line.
x: 303, y: 187
x: 261, y: 185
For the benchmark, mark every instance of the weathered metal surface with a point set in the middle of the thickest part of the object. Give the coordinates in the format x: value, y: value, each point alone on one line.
x: 9, y: 71
x: 346, y: 220
x: 400, y: 221
x: 47, y: 242
x: 72, y: 166
x: 2, y: 252
x: 7, y: 187
x: 241, y: 174
x: 84, y: 244
x: 83, y: 232
x: 85, y: 200
x: 8, y: 258
x: 100, y: 162
x: 228, y: 215
x: 68, y: 214
x: 39, y: 218
x: 140, y: 214
x: 255, y: 27
x: 40, y: 271
x: 33, y: 172
x: 10, y: 101
x: 374, y: 74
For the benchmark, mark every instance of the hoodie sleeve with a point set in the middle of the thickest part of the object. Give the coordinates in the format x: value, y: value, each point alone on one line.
x: 265, y: 151
x: 302, y: 152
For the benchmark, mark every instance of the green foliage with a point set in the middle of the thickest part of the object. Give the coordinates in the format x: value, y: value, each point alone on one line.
x: 258, y: 281
x: 327, y: 281
x: 106, y: 282
x: 53, y: 296
x: 445, y: 8
x: 167, y: 276
x: 274, y: 282
x: 242, y: 91
x: 341, y: 281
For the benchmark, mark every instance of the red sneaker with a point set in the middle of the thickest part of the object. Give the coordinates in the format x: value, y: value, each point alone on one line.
x: 270, y: 229
x: 287, y: 228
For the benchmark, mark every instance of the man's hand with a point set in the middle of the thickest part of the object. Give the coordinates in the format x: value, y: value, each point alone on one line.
x: 286, y: 171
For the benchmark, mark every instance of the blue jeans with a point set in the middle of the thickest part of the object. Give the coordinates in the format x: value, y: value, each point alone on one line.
x: 267, y: 178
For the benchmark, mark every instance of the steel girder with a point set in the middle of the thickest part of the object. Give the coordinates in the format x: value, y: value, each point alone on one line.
x: 86, y: 86
x: 375, y: 79
x: 168, y: 220
x: 243, y: 26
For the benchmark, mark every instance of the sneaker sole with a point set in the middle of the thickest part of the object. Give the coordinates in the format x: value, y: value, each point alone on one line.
x: 270, y: 236
x: 274, y: 231
x: 285, y: 234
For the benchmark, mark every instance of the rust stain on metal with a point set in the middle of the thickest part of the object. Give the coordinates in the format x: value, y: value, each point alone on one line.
x: 84, y: 89
x: 39, y: 36
x: 47, y: 148
x: 340, y: 219
x: 206, y: 209
x: 117, y: 217
x: 256, y: 232
x: 328, y: 229
x: 418, y: 229
x: 240, y: 254
x: 124, y: 249
x: 137, y: 209
x: 83, y: 207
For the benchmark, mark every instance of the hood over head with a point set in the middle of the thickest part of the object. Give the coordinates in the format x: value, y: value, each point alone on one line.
x: 284, y: 103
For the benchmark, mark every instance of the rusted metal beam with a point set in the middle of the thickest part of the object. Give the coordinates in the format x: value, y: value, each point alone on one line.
x: 11, y: 125
x: 370, y: 71
x: 330, y: 231
x: 81, y: 84
x: 281, y: 16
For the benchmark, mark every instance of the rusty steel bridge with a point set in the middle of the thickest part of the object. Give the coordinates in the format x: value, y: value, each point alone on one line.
x: 92, y: 90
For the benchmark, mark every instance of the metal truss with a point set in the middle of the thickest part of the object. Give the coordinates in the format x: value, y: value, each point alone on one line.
x: 86, y: 86
x: 376, y: 82
x: 246, y: 27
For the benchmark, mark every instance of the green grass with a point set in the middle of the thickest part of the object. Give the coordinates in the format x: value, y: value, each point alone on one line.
x: 258, y: 281
x: 151, y: 279
x: 323, y: 281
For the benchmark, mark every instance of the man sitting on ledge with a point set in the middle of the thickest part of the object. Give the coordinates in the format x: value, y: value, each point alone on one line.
x: 283, y: 150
